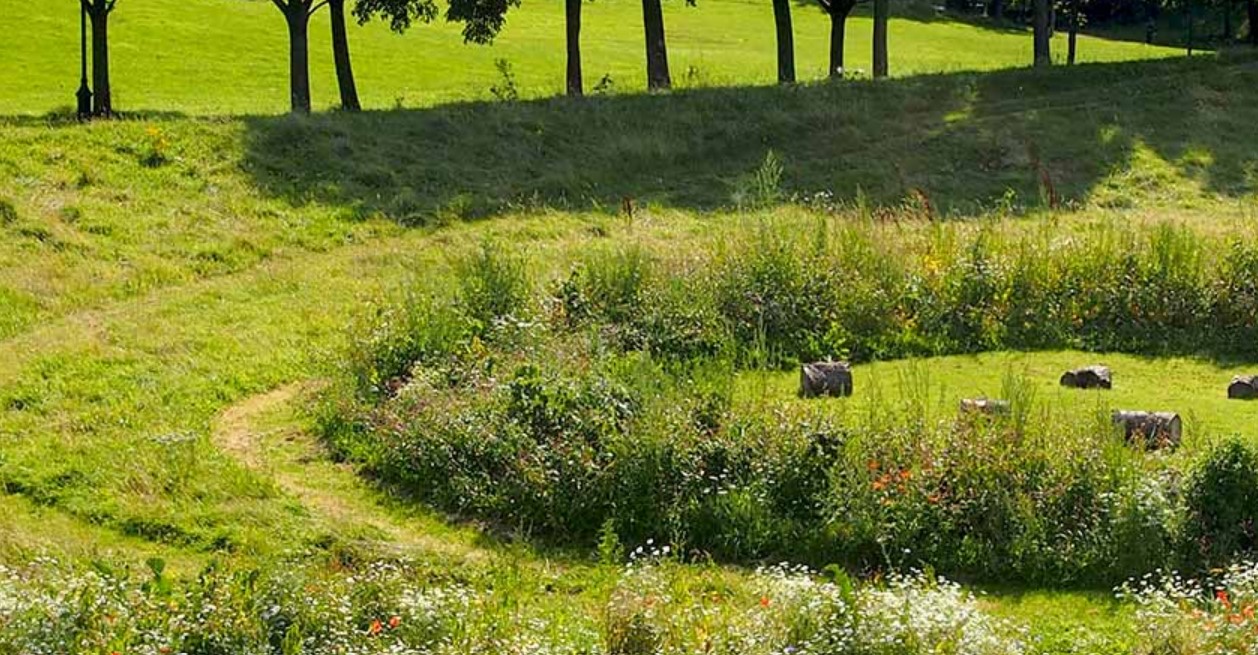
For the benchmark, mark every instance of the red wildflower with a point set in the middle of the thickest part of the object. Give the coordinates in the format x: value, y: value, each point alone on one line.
x: 764, y: 601
x: 375, y: 627
x: 394, y: 622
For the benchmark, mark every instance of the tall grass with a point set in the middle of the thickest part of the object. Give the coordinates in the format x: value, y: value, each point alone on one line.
x: 611, y: 408
x: 866, y: 290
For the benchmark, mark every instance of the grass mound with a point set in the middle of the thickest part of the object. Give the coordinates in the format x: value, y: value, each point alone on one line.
x: 608, y: 402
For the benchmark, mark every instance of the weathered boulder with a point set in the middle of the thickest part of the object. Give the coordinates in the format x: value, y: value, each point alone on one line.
x: 1088, y: 377
x: 1150, y: 430
x: 1243, y: 387
x: 988, y: 406
x: 825, y: 379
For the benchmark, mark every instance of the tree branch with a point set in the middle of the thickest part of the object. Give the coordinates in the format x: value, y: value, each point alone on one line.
x: 316, y: 7
x: 279, y: 5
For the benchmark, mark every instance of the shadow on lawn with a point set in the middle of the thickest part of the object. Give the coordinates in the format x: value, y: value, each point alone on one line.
x: 963, y: 142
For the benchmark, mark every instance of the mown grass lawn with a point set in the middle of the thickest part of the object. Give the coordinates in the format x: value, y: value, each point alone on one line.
x: 230, y: 56
x: 1196, y: 388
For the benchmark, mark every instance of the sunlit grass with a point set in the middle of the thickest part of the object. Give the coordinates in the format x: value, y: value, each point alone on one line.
x: 229, y: 56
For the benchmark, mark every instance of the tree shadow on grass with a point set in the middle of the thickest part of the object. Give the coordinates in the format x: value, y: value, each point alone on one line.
x: 961, y: 143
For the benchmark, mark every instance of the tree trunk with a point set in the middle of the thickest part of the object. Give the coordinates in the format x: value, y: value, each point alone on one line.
x: 298, y: 57
x: 1189, y: 19
x: 657, y: 76
x: 996, y: 9
x: 1043, y: 56
x: 1227, y: 20
x: 1072, y: 45
x: 1150, y: 430
x: 340, y: 56
x: 102, y: 101
x: 1073, y: 38
x: 786, y: 41
x: 838, y: 30
x: 575, y: 83
x: 881, y: 10
x: 1251, y: 8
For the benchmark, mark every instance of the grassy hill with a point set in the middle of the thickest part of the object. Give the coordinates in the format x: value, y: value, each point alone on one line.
x: 173, y: 288
x: 229, y: 56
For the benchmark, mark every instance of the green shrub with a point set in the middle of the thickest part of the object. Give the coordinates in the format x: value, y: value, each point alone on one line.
x: 779, y: 297
x: 1222, y: 505
x: 615, y: 407
x: 493, y: 286
x: 1234, y: 300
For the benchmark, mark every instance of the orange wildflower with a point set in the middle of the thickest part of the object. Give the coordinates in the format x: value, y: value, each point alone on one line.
x: 394, y: 622
x: 375, y: 627
x: 873, y: 465
x: 764, y: 601
x: 1221, y: 596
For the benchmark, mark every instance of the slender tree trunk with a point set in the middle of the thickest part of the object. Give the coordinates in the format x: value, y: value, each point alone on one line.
x: 657, y: 76
x: 1072, y: 43
x: 340, y: 56
x: 575, y: 82
x: 881, y: 10
x: 838, y: 30
x: 1043, y: 55
x: 1227, y: 20
x: 996, y: 9
x: 298, y: 57
x: 1189, y: 19
x: 1251, y: 8
x: 102, y: 101
x: 786, y: 41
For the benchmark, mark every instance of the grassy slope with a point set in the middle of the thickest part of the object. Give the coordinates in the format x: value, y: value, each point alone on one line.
x: 95, y: 224
x: 141, y: 302
x: 229, y: 56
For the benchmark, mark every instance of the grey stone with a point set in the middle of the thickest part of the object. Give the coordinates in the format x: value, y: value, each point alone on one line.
x: 825, y: 379
x: 1088, y: 377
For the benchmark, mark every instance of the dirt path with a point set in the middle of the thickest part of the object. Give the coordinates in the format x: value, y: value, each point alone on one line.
x: 265, y: 434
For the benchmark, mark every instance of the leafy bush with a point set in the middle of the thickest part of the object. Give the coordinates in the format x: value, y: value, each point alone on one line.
x: 369, y: 607
x: 493, y: 286
x: 1196, y: 617
x: 614, y: 407
x: 793, y: 610
x: 1222, y: 505
x: 48, y: 608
